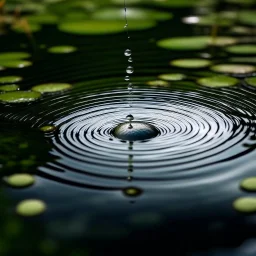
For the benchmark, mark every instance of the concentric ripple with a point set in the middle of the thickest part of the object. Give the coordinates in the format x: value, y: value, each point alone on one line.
x: 197, y: 131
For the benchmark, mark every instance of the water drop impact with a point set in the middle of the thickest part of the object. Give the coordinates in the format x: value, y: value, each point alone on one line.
x: 130, y: 117
x: 129, y: 70
x: 130, y: 86
x: 127, y: 52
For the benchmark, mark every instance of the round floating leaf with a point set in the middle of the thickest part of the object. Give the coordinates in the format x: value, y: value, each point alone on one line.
x: 59, y: 49
x: 51, y: 87
x: 97, y: 27
x: 132, y: 14
x: 242, y: 49
x: 172, y: 77
x: 233, y: 68
x: 249, y: 184
x: 251, y: 81
x: 33, y: 27
x: 14, y: 55
x: 10, y: 79
x: 19, y: 96
x: 213, y: 19
x: 245, y: 204
x: 9, y: 87
x: 31, y: 207
x: 190, y: 63
x: 218, y: 81
x: 43, y: 18
x: 158, y: 83
x: 20, y: 180
x: 194, y: 42
x: 48, y: 128
x: 15, y: 63
x: 243, y: 59
x: 247, y: 17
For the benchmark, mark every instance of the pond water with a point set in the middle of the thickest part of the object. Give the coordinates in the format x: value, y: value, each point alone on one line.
x: 182, y: 177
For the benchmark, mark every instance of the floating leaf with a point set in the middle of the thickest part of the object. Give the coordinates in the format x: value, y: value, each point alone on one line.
x: 43, y: 18
x: 251, y: 81
x: 158, y: 83
x: 10, y: 79
x: 245, y: 204
x: 249, y: 184
x: 48, y: 128
x: 190, y: 63
x: 59, y: 49
x: 15, y: 63
x: 14, y: 55
x: 247, y: 17
x: 172, y: 77
x: 51, y: 87
x: 233, y: 68
x: 20, y: 180
x: 31, y: 207
x: 218, y: 81
x: 242, y: 49
x: 9, y: 87
x: 19, y: 96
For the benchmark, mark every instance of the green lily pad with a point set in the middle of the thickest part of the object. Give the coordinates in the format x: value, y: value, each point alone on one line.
x: 249, y: 184
x: 31, y: 207
x: 19, y: 96
x: 233, y: 68
x: 190, y: 63
x: 97, y: 27
x: 157, y: 83
x: 218, y: 81
x: 14, y: 55
x: 172, y: 77
x: 247, y: 17
x: 9, y: 87
x: 132, y: 192
x: 242, y: 49
x: 51, y: 87
x: 10, y: 79
x: 251, y: 81
x: 48, y: 128
x: 20, y: 180
x: 15, y: 63
x: 132, y: 14
x: 33, y: 27
x: 243, y: 59
x: 213, y: 19
x: 43, y: 18
x: 59, y: 49
x: 194, y: 42
x: 245, y: 204
x: 174, y: 3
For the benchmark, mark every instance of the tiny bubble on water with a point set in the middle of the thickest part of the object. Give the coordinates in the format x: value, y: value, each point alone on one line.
x: 127, y: 52
x: 129, y: 70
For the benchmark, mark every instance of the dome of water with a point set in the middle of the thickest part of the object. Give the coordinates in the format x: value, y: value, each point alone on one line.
x: 135, y: 131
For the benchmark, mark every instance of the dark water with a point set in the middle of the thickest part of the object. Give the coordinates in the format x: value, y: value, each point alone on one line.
x: 105, y: 195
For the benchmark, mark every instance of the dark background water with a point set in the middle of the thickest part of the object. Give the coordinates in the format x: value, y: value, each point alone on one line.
x: 186, y: 179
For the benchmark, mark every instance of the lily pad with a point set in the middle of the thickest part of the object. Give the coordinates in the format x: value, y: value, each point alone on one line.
x: 10, y: 79
x: 172, y: 76
x: 249, y: 184
x: 158, y: 83
x: 32, y: 27
x: 51, y: 87
x: 31, y: 207
x: 15, y: 63
x: 19, y: 96
x: 194, y: 42
x: 174, y: 3
x: 249, y: 49
x: 247, y: 17
x: 245, y: 204
x: 132, y: 14
x: 14, y: 55
x: 190, y: 63
x: 97, y: 27
x: 218, y: 81
x: 43, y: 18
x: 251, y: 81
x: 48, y: 128
x: 59, y: 49
x: 9, y: 87
x: 233, y: 68
x: 20, y: 180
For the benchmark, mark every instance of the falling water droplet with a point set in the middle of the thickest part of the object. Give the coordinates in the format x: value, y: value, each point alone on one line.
x: 130, y: 117
x: 126, y: 25
x: 126, y: 78
x: 130, y: 59
x: 130, y: 86
x: 129, y: 70
x: 127, y: 52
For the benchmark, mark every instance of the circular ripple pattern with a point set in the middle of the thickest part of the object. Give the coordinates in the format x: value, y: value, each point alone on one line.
x: 197, y: 131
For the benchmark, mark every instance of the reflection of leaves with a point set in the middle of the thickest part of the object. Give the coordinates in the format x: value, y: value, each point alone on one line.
x: 20, y: 151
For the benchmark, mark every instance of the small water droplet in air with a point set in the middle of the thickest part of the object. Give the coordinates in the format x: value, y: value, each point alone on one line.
x: 130, y: 117
x: 126, y: 26
x: 128, y: 52
x: 130, y: 59
x: 129, y: 70
x: 126, y: 78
